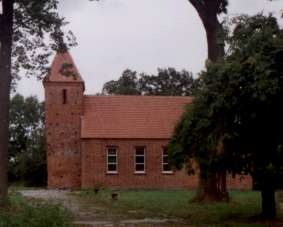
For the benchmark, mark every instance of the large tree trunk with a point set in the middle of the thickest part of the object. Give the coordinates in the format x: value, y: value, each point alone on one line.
x: 207, y: 188
x: 207, y: 12
x: 215, y: 39
x: 268, y: 203
x: 212, y: 188
x: 6, y: 31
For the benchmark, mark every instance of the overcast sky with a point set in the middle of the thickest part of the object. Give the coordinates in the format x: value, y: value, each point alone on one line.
x: 138, y: 34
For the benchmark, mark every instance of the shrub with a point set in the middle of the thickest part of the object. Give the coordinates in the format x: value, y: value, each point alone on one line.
x: 33, y: 213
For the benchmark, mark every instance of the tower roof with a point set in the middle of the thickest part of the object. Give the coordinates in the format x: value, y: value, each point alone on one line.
x: 63, y: 69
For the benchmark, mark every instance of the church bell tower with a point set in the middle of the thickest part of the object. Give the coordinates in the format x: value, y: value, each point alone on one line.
x: 64, y: 90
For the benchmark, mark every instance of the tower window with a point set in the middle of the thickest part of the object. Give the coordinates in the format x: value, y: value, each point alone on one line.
x: 64, y: 96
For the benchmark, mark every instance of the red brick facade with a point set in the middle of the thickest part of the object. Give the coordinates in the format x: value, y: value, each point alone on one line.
x: 80, y: 129
x: 63, y: 128
x: 94, y: 165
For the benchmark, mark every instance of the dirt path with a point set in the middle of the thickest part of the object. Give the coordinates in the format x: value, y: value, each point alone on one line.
x: 92, y: 218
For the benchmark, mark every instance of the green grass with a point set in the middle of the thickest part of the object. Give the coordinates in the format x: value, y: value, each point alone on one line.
x: 175, y: 204
x: 33, y: 213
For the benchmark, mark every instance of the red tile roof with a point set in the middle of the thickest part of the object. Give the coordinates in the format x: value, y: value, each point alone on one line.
x: 144, y: 117
x: 60, y: 61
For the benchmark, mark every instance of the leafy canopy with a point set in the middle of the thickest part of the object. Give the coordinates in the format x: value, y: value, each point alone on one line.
x: 238, y: 104
x: 37, y: 32
x: 168, y: 81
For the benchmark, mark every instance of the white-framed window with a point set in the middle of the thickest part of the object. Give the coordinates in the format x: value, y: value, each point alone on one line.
x: 165, y: 163
x: 112, y: 160
x: 1, y: 8
x: 139, y: 160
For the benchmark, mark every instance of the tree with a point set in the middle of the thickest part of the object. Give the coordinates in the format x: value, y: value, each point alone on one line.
x: 239, y: 104
x: 24, y: 29
x: 168, y: 81
x: 260, y: 55
x: 208, y: 10
x: 125, y: 85
x: 214, y: 187
x: 196, y: 139
x: 27, y: 158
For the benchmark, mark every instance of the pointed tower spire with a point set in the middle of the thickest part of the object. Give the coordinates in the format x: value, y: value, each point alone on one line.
x: 63, y: 69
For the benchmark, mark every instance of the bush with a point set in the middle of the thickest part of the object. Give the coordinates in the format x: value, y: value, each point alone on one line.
x: 33, y: 213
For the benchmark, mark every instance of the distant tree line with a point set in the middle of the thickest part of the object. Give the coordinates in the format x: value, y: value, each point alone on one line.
x: 168, y: 81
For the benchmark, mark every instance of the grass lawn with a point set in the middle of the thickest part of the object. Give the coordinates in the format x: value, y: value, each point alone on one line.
x: 23, y: 212
x: 175, y: 205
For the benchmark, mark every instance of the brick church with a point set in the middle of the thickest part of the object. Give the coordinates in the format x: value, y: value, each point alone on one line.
x: 111, y: 141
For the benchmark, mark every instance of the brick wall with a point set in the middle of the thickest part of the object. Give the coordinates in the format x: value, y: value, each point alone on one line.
x: 63, y: 134
x: 239, y: 182
x: 94, y: 167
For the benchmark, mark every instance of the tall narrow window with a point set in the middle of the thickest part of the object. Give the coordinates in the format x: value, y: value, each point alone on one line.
x: 165, y: 163
x: 64, y: 96
x: 140, y: 160
x: 112, y: 160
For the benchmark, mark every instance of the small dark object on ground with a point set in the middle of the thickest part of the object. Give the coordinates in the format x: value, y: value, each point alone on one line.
x: 114, y: 196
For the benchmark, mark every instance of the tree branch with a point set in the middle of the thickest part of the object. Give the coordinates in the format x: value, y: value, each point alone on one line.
x: 199, y: 6
x: 1, y: 25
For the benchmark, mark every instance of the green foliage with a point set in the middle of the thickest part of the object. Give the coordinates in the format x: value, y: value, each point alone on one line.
x: 167, y: 82
x: 32, y: 213
x: 67, y: 70
x: 237, y: 110
x: 27, y: 161
x: 125, y: 85
x: 248, y: 34
x: 37, y: 32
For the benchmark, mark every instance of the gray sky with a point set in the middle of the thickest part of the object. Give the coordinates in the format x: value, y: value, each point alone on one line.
x: 138, y: 34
